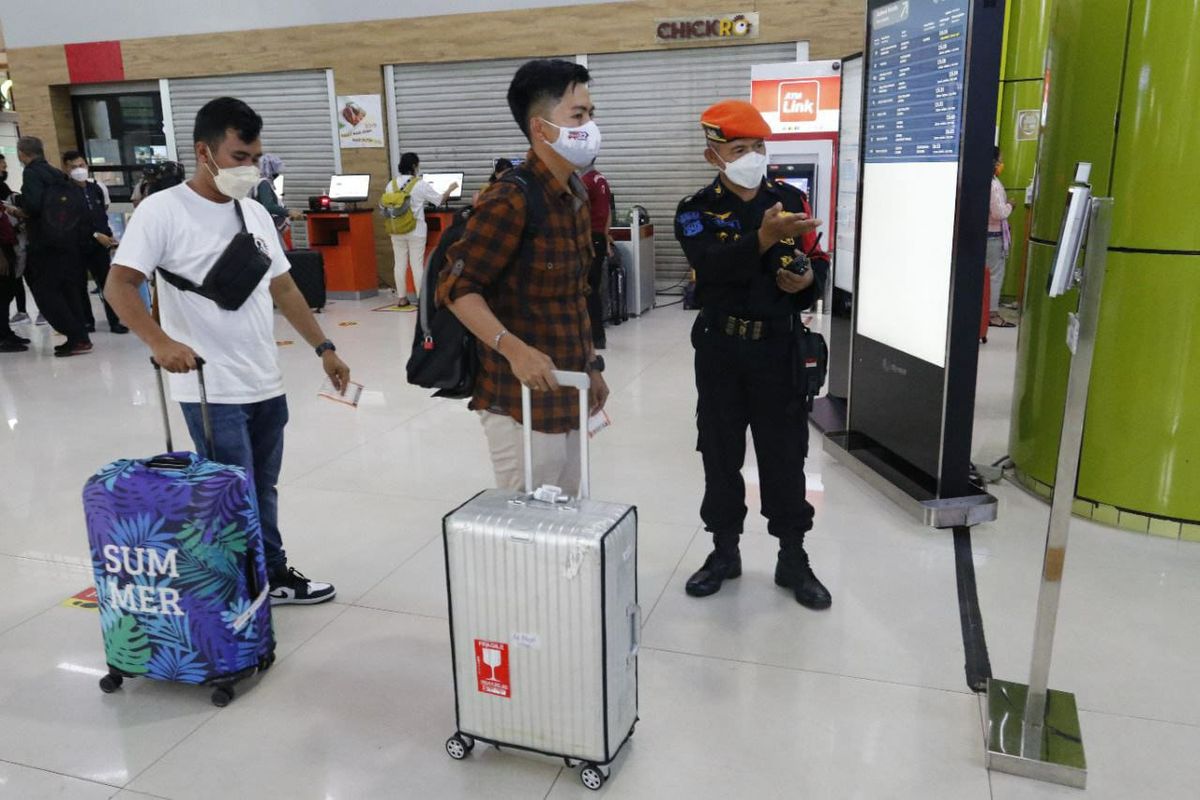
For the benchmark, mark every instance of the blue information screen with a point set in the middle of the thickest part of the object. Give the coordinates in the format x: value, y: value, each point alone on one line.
x: 915, y: 81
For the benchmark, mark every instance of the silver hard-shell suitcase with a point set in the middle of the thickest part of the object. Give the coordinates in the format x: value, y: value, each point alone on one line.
x: 544, y: 619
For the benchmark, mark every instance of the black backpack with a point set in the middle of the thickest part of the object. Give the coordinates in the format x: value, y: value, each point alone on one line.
x: 444, y: 353
x: 64, y: 208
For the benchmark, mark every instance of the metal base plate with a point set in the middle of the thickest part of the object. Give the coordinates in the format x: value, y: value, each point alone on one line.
x: 1060, y: 759
x: 950, y: 512
x: 361, y: 294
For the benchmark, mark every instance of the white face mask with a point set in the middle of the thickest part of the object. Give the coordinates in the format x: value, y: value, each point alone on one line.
x: 747, y: 171
x: 234, y: 182
x: 79, y: 174
x: 579, y: 145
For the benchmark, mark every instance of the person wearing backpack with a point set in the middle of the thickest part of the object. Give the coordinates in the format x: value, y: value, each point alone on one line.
x: 403, y: 208
x: 55, y: 208
x: 517, y: 279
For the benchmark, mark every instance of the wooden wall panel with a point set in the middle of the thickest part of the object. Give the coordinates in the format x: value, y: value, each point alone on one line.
x: 357, y: 52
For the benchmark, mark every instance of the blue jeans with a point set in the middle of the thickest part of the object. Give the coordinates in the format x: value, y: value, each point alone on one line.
x: 249, y: 436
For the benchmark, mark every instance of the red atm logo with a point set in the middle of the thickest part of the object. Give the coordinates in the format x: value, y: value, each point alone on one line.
x: 799, y: 101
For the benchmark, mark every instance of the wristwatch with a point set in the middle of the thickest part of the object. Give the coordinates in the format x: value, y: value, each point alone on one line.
x: 325, y: 346
x: 596, y: 365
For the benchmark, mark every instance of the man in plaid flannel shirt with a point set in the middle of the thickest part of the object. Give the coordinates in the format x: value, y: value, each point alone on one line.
x: 525, y: 299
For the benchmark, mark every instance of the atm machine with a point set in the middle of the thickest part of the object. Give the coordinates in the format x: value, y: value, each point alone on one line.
x: 801, y: 102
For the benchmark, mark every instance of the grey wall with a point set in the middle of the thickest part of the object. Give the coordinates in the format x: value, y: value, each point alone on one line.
x: 45, y: 22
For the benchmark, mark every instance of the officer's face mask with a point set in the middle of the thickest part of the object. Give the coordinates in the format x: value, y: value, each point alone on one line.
x: 580, y: 146
x: 233, y: 182
x: 79, y: 174
x: 747, y: 171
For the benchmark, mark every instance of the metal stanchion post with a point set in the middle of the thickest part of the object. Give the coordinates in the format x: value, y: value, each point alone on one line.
x: 1033, y: 731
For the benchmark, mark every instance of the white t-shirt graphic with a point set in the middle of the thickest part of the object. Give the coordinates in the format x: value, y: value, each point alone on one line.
x: 184, y: 233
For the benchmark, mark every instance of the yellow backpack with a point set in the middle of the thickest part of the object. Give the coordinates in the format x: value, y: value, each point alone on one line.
x: 396, y: 207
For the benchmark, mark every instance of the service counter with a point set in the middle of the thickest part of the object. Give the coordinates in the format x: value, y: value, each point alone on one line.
x: 346, y: 242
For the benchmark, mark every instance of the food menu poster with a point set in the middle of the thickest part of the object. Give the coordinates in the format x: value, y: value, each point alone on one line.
x: 360, y: 120
x: 916, y: 81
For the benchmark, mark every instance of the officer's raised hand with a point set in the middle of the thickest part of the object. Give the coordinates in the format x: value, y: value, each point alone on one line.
x: 778, y: 225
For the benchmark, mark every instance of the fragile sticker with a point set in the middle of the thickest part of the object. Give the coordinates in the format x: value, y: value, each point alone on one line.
x: 491, y: 668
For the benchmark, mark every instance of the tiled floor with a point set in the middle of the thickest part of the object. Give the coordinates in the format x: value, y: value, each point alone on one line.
x: 744, y: 694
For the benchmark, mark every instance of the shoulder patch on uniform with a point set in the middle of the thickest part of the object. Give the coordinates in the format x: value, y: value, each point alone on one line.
x: 694, y: 228
x: 688, y: 216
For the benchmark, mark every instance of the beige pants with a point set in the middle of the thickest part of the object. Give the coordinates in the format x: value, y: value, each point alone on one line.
x: 409, y: 251
x: 555, y: 455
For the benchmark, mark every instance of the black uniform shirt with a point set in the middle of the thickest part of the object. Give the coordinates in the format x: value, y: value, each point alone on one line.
x: 719, y: 235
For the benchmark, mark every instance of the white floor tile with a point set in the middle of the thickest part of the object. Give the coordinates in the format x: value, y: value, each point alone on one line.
x: 745, y: 694
x: 27, y: 783
x: 362, y: 711
x: 715, y: 729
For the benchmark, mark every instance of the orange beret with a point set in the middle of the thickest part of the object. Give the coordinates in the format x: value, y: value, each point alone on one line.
x: 733, y: 119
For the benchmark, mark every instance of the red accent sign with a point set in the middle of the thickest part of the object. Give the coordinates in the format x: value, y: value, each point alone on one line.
x: 95, y: 62
x: 491, y: 668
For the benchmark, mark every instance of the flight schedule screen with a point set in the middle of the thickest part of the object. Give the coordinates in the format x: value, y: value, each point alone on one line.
x: 913, y: 133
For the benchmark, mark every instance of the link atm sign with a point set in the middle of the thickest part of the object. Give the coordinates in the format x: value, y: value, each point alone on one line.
x: 743, y: 25
x: 802, y: 97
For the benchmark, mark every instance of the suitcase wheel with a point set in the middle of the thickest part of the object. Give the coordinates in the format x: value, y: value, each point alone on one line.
x: 266, y: 661
x: 110, y: 683
x: 222, y: 696
x: 459, y: 746
x: 593, y: 776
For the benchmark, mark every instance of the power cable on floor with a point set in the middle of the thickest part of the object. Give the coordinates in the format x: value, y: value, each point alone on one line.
x: 977, y: 664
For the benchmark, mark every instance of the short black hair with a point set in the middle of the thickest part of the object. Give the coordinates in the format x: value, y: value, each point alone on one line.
x: 540, y: 80
x: 71, y: 155
x: 996, y: 154
x: 220, y: 115
x: 409, y: 163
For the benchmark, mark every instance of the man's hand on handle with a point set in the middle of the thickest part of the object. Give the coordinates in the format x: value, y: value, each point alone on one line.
x: 174, y: 356
x: 532, y: 367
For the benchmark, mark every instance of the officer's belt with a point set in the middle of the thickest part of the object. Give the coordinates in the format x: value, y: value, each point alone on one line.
x: 751, y: 329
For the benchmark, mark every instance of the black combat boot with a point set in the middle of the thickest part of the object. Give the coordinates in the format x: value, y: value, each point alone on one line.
x: 723, y: 563
x: 794, y: 572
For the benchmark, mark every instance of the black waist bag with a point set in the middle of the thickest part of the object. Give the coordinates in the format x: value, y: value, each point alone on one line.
x: 235, y: 274
x: 810, y: 361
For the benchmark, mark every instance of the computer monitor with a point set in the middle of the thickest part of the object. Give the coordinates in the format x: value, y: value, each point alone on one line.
x: 442, y: 181
x: 349, y: 188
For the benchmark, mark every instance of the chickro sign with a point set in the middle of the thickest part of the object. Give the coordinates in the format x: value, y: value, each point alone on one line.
x: 740, y: 25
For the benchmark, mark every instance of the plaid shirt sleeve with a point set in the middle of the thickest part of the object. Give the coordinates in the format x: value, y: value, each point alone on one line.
x: 488, y: 245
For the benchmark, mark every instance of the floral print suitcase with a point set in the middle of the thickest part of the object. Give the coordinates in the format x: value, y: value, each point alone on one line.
x: 180, y: 572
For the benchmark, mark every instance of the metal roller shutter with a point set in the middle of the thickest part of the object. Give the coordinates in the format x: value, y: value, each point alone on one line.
x: 648, y: 107
x: 297, y: 126
x: 456, y: 118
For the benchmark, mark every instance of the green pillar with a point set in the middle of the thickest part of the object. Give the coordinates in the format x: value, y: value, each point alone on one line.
x: 1020, y: 105
x: 1124, y: 94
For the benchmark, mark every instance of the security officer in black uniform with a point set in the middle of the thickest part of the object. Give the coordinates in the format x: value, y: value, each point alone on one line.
x: 747, y: 240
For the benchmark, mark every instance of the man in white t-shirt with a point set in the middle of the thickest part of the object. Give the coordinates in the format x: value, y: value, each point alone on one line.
x: 409, y: 248
x: 183, y: 230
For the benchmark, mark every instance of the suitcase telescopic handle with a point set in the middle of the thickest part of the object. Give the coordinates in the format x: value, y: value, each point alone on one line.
x: 204, y: 415
x: 577, y: 380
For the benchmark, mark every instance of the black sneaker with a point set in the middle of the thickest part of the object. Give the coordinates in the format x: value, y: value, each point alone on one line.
x: 292, y: 588
x: 12, y: 345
